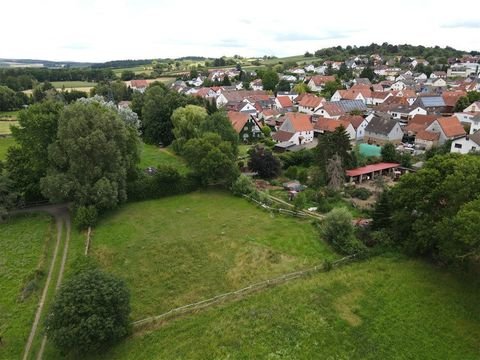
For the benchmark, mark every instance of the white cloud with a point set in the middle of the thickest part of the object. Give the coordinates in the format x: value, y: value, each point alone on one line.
x: 90, y: 30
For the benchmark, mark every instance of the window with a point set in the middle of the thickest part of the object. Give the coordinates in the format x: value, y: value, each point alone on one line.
x: 474, y: 148
x: 458, y: 146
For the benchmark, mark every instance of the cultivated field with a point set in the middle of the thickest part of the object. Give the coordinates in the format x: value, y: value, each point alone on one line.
x: 24, y: 257
x: 154, y: 156
x: 73, y: 84
x: 5, y: 143
x: 9, y: 115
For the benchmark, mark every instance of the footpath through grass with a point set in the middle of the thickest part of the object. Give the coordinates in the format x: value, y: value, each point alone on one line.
x: 384, y: 308
x: 25, y: 243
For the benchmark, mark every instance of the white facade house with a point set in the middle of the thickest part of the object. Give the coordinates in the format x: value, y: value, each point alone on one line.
x: 296, y: 129
x: 466, y: 144
x: 474, y: 107
x: 398, y: 85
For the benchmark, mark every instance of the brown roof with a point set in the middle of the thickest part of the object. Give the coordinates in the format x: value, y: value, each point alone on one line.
x: 329, y: 125
x: 300, y: 122
x: 427, y: 135
x: 240, y: 95
x: 451, y: 126
x: 451, y: 97
x: 285, y: 101
x: 355, y: 120
x: 379, y: 94
x: 282, y: 135
x: 238, y: 120
x: 322, y: 79
x: 311, y: 100
x: 138, y: 84
x: 333, y: 109
x: 420, y: 122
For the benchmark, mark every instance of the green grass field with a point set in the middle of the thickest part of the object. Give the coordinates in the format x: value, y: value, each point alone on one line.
x: 384, y: 308
x: 25, y: 248
x: 5, y: 143
x: 73, y: 84
x: 216, y: 243
x: 9, y: 115
x: 153, y: 156
x: 5, y: 127
x: 147, y: 69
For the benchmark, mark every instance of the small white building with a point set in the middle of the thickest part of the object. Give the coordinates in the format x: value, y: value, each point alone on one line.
x: 466, y: 144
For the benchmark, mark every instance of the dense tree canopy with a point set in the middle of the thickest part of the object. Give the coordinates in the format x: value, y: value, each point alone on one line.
x: 90, y: 312
x: 435, y: 211
x: 94, y: 155
x: 270, y: 79
x: 264, y: 162
x: 27, y: 161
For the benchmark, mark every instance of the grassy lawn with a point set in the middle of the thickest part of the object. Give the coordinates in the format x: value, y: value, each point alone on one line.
x: 384, y: 308
x: 25, y: 247
x: 153, y: 156
x: 5, y: 127
x: 73, y: 84
x: 5, y: 143
x: 147, y: 69
x: 9, y: 115
x: 216, y: 243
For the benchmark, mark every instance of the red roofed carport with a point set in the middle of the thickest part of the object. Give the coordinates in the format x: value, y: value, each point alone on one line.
x: 370, y: 170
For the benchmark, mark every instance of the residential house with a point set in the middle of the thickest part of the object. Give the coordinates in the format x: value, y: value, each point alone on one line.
x: 324, y: 125
x: 356, y: 92
x: 379, y: 97
x: 256, y: 85
x: 466, y: 144
x: 448, y: 127
x: 472, y: 120
x: 238, y: 96
x: 296, y: 129
x: 474, y: 107
x: 139, y: 85
x: 289, y: 78
x: 362, y: 81
x: 419, y: 123
x: 359, y: 124
x: 246, y: 126
x: 317, y: 82
x: 310, y: 103
x: 434, y: 104
x: 320, y: 70
x: 405, y: 113
x: 421, y: 77
x: 416, y: 62
x: 438, y: 74
x: 425, y: 139
x: 335, y: 109
x: 243, y: 107
x: 284, y: 102
x: 309, y: 68
x: 382, y: 129
x: 399, y: 85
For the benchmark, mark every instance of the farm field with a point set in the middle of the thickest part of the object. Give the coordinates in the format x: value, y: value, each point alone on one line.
x: 26, y: 243
x: 153, y: 156
x: 9, y: 115
x: 5, y: 143
x: 73, y: 84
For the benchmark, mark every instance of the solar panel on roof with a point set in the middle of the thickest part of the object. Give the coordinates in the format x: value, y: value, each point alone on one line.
x: 433, y: 101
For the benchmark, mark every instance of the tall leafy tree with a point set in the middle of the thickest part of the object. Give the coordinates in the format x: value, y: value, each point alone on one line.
x: 264, y: 162
x: 27, y: 161
x: 270, y: 79
x: 92, y: 158
x: 186, y: 124
x: 212, y: 159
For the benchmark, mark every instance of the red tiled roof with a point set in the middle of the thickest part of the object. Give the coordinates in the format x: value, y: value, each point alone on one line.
x: 427, y: 135
x: 238, y: 120
x: 451, y: 97
x: 329, y: 125
x: 333, y: 109
x: 371, y: 168
x: 322, y: 79
x: 311, y: 101
x: 282, y: 135
x: 451, y: 126
x: 138, y: 84
x: 300, y: 122
x: 420, y: 122
x: 285, y: 101
x: 355, y: 120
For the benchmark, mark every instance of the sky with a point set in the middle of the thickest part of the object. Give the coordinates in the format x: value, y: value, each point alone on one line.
x: 103, y: 30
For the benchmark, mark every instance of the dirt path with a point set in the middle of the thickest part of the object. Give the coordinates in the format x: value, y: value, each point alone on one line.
x: 41, y: 304
x: 62, y: 219
x: 68, y: 225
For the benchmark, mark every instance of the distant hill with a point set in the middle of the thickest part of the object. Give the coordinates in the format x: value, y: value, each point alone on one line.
x: 8, y: 63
